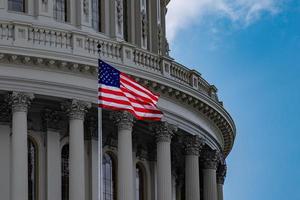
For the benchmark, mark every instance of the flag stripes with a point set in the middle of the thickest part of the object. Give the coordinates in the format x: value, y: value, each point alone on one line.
x: 118, y: 91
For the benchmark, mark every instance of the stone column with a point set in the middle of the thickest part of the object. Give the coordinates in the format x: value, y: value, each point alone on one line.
x: 76, y: 111
x: 163, y: 133
x: 19, y: 169
x: 221, y: 174
x: 192, y: 178
x: 94, y: 169
x: 209, y: 167
x: 51, y: 120
x: 124, y: 122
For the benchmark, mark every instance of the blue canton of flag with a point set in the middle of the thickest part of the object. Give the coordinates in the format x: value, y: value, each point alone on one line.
x: 108, y: 75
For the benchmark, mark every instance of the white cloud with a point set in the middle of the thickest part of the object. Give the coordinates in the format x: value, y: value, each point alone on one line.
x: 184, y: 13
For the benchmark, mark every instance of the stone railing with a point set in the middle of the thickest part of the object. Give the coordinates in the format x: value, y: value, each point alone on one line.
x: 6, y: 32
x: 46, y: 38
x: 84, y: 44
x: 147, y: 60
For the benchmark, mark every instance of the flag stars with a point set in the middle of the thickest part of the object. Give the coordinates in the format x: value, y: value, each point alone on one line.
x: 108, y: 75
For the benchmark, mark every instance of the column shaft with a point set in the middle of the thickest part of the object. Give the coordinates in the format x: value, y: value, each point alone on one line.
x: 209, y: 184
x: 76, y: 162
x: 95, y: 158
x: 192, y: 183
x: 193, y: 145
x: 19, y: 169
x: 163, y: 133
x: 124, y: 122
x: 220, y: 191
x: 125, y: 165
x: 76, y: 111
x: 164, y: 180
x: 221, y: 174
x: 19, y: 172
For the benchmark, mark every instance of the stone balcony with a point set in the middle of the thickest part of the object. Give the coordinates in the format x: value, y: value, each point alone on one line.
x: 77, y: 43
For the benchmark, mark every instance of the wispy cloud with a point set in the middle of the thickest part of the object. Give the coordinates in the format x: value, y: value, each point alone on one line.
x: 184, y: 13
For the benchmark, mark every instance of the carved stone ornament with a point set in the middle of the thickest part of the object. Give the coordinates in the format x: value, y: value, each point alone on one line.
x: 221, y: 173
x: 5, y: 112
x: 92, y: 124
x: 20, y: 101
x: 167, y: 46
x: 164, y: 131
x: 123, y: 119
x: 76, y: 109
x: 86, y: 7
x: 142, y: 153
x: 209, y: 159
x: 193, y: 144
x: 51, y: 119
x: 160, y: 37
x: 45, y: 1
x: 144, y: 24
x: 119, y: 8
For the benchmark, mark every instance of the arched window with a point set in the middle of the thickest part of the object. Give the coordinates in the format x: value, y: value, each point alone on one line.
x: 60, y: 10
x: 96, y: 15
x: 65, y: 172
x: 32, y: 169
x: 16, y: 5
x: 139, y: 183
x: 109, y: 183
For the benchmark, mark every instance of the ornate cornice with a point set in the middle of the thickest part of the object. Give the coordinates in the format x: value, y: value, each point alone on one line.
x: 19, y: 101
x: 164, y: 131
x: 76, y: 109
x: 123, y: 119
x: 209, y: 159
x: 193, y: 144
x: 202, y: 103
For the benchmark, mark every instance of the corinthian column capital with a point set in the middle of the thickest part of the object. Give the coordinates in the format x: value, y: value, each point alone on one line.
x: 221, y: 173
x: 209, y: 159
x: 193, y: 144
x: 123, y: 119
x: 164, y: 131
x: 20, y: 101
x: 76, y: 109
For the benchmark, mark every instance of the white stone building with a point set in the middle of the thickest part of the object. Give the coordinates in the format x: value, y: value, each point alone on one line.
x: 48, y: 107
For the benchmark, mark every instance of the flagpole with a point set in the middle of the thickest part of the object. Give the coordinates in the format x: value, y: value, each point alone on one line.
x: 100, y: 183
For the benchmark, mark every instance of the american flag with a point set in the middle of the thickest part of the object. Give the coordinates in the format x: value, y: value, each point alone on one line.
x: 117, y: 91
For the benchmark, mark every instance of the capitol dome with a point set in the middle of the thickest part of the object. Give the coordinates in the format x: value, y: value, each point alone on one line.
x: 48, y: 107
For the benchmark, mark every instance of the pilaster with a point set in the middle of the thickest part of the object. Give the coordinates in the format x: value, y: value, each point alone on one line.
x: 44, y: 8
x: 51, y: 119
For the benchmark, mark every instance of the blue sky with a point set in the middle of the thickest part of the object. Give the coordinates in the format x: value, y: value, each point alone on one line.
x: 250, y: 50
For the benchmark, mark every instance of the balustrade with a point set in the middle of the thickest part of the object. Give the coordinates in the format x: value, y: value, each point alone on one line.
x: 77, y: 43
